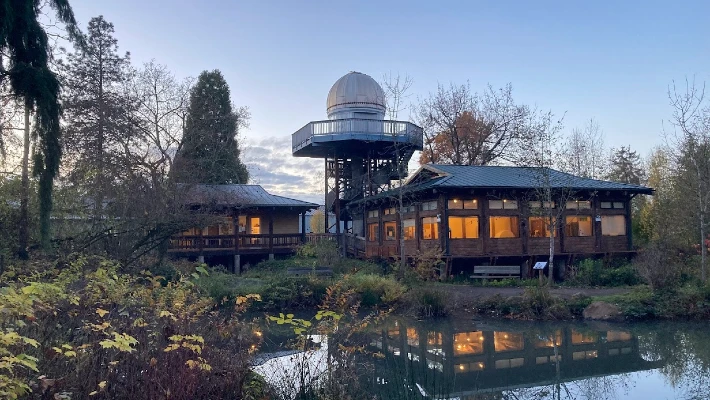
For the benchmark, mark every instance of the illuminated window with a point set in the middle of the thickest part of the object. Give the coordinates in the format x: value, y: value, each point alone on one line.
x: 459, y: 204
x: 508, y: 341
x: 504, y: 204
x: 618, y: 336
x: 412, y: 337
x: 542, y: 341
x: 579, y: 205
x: 613, y: 225
x: 583, y: 355
x: 510, y: 363
x: 539, y: 227
x: 409, y: 229
x: 429, y: 206
x: 255, y: 223
x: 504, y: 227
x: 468, y: 343
x: 463, y: 227
x: 373, y: 214
x: 373, y: 232
x: 578, y: 226
x: 583, y: 338
x: 430, y: 228
x: 390, y: 230
x: 390, y: 211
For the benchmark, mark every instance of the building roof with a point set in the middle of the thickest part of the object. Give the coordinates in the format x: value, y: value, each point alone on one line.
x: 238, y: 196
x: 356, y: 90
x: 440, y: 176
x: 504, y: 177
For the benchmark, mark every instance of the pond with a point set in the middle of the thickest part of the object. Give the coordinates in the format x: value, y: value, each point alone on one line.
x: 402, y: 358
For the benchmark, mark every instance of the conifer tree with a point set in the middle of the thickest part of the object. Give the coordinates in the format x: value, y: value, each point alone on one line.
x: 210, y: 152
x: 625, y: 166
x: 97, y: 111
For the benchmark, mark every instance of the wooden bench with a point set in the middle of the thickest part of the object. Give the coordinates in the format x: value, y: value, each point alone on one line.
x: 319, y: 271
x: 495, y: 271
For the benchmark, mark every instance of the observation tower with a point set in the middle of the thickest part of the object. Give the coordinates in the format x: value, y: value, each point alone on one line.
x: 363, y: 151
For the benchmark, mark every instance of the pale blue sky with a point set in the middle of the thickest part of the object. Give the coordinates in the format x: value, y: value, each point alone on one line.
x: 608, y: 60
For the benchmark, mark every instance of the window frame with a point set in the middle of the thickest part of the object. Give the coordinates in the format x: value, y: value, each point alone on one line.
x: 505, y: 204
x: 376, y: 232
x: 409, y: 229
x: 477, y: 233
x: 515, y: 226
x: 386, y: 225
x: 606, y: 217
x: 567, y: 223
x: 434, y: 228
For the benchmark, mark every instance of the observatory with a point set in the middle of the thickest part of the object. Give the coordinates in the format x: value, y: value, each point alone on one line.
x: 363, y: 151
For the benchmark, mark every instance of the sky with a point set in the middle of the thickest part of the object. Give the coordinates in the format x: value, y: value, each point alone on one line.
x: 608, y: 60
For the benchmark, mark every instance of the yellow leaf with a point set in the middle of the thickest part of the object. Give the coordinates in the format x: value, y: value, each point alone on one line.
x: 102, y: 384
x: 101, y: 312
x: 93, y: 393
x: 70, y: 353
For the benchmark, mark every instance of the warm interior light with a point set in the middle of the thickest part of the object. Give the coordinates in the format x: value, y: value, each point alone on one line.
x: 456, y: 200
x: 461, y: 367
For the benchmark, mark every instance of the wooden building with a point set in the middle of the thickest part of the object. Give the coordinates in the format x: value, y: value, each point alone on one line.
x: 250, y: 222
x: 493, y: 215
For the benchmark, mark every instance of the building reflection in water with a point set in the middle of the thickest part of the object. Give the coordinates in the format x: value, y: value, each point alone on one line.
x: 450, y: 361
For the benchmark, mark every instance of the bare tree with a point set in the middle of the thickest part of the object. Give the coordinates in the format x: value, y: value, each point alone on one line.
x: 539, y: 151
x: 691, y: 153
x: 583, y: 152
x: 396, y: 88
x: 466, y: 128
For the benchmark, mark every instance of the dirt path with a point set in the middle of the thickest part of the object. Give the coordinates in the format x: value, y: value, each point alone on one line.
x: 465, y: 292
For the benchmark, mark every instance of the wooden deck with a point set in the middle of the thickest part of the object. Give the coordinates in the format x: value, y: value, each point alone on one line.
x: 245, y: 243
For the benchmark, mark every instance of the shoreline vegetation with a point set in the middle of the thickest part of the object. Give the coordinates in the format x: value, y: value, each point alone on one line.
x: 84, y: 321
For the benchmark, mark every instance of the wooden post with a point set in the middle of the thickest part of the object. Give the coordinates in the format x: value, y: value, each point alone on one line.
x: 303, y: 227
x: 271, y: 234
x: 237, y: 263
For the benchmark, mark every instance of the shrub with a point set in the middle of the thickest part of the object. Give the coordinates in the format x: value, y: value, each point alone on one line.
x: 578, y: 303
x: 428, y: 302
x: 591, y: 272
x: 657, y: 265
x: 375, y: 289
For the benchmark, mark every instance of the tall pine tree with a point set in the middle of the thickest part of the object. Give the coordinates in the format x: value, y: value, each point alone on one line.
x: 97, y: 111
x: 209, y: 152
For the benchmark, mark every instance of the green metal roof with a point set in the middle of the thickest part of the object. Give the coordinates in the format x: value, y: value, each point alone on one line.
x: 440, y: 176
x: 476, y: 176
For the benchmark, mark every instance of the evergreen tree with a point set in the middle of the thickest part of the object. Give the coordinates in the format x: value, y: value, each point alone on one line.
x: 97, y: 111
x: 625, y: 166
x: 209, y: 152
x: 24, y: 61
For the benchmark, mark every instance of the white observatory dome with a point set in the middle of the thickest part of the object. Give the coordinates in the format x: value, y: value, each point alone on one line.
x: 356, y: 95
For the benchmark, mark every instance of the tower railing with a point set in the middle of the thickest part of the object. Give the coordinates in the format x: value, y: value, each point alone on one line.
x: 396, y: 129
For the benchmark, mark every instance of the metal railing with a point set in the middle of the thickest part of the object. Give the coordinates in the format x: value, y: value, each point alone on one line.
x: 397, y: 129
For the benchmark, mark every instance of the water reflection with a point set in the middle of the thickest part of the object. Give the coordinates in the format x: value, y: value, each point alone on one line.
x: 450, y: 361
x: 495, y: 360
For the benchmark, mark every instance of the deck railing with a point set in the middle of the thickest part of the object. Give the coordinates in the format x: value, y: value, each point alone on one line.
x: 246, y: 241
x: 410, y: 132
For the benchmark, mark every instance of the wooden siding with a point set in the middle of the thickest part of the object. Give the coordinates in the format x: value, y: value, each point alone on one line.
x: 484, y: 245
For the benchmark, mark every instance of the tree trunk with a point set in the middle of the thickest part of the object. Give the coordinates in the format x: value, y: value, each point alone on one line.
x: 23, y: 237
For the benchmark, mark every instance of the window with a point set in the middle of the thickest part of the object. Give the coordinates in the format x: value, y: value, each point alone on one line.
x: 504, y: 227
x: 408, y: 209
x: 255, y: 223
x: 613, y: 225
x: 539, y: 227
x: 619, y: 205
x: 409, y: 229
x: 541, y: 204
x: 463, y: 227
x: 458, y: 204
x: 373, y: 232
x: 578, y: 226
x: 390, y: 230
x: 579, y: 205
x: 504, y: 204
x: 390, y: 211
x: 430, y: 228
x: 373, y: 213
x: 429, y: 206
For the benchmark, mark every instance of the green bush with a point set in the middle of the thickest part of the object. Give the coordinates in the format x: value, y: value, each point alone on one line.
x: 428, y: 302
x: 590, y: 272
x: 578, y: 303
x: 375, y: 289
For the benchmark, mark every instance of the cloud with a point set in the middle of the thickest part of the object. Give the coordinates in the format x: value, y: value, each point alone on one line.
x: 272, y: 166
